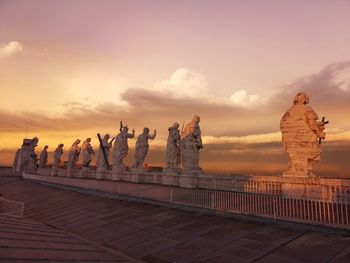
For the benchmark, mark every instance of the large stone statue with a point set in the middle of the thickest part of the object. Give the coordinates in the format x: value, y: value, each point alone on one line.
x: 57, y: 159
x: 141, y: 147
x: 16, y: 160
x: 100, y: 160
x: 173, y: 149
x: 27, y: 160
x: 121, y: 148
x: 73, y: 155
x: 33, y: 160
x: 191, y: 142
x: 87, y: 151
x: 301, y: 131
x: 43, y: 157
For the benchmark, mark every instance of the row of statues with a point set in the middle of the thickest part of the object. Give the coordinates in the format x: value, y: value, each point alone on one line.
x: 181, y: 148
x: 302, y: 133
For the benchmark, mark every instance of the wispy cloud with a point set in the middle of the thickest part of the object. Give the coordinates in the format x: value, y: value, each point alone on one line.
x: 242, y: 98
x: 10, y: 49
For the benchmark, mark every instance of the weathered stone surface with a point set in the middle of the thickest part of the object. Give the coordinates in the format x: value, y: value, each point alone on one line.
x: 16, y: 160
x: 191, y: 143
x: 27, y: 159
x: 87, y: 151
x: 301, y: 131
x: 148, y: 233
x: 43, y: 157
x: 121, y: 148
x: 141, y: 148
x: 73, y: 156
x: 100, y: 161
x: 57, y: 159
x: 173, y: 150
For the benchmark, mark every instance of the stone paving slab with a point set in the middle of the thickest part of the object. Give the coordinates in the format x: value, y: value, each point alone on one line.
x: 41, y: 243
x: 150, y: 233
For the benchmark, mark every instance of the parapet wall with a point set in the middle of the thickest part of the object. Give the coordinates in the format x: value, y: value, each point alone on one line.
x: 309, y: 188
x: 174, y: 191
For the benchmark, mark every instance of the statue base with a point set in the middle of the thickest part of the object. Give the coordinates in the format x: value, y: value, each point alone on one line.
x: 172, y: 180
x: 289, y: 174
x: 187, y: 181
x: 172, y: 171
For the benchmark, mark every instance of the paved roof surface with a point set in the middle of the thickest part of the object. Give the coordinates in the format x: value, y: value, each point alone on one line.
x: 152, y: 233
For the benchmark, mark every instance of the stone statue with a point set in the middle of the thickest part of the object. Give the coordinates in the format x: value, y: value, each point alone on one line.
x: 87, y: 151
x: 141, y: 147
x: 301, y: 131
x: 16, y: 160
x: 73, y: 155
x: 100, y: 160
x: 121, y: 148
x: 191, y: 142
x: 43, y: 157
x: 57, y: 158
x: 29, y: 159
x: 173, y: 149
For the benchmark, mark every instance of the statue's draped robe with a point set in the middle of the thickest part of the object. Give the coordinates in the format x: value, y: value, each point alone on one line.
x: 87, y: 151
x: 141, y: 149
x: 43, y: 159
x: 300, y: 133
x: 121, y: 148
x: 100, y: 161
x: 73, y: 156
x: 191, y: 142
x: 57, y: 157
x: 173, y: 149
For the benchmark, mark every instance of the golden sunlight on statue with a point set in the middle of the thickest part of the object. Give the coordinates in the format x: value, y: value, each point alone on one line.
x: 301, y: 135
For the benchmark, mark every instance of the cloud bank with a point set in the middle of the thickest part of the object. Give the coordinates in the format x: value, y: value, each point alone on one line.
x: 234, y: 135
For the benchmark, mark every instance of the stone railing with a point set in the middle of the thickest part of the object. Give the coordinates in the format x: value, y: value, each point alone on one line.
x: 309, y: 188
x: 275, y: 207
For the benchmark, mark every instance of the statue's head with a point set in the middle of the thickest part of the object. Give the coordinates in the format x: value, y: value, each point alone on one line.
x: 301, y: 98
x: 196, y: 119
x: 88, y: 140
x: 145, y: 130
x: 106, y: 136
x: 46, y: 147
x: 77, y: 141
x: 35, y: 141
x: 125, y: 129
x: 61, y: 145
x: 176, y: 125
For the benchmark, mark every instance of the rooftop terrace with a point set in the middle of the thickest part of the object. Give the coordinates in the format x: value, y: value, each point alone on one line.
x: 64, y: 226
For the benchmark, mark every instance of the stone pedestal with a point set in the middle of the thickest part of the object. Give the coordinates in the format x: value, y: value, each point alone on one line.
x: 301, y: 187
x: 118, y: 172
x: 170, y: 180
x: 186, y: 181
x: 134, y: 178
x: 171, y: 171
x: 84, y: 172
x: 53, y: 172
x: 300, y: 191
x: 100, y: 174
x: 70, y: 173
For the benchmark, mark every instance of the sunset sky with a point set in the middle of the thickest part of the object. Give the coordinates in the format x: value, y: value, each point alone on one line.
x: 70, y: 69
